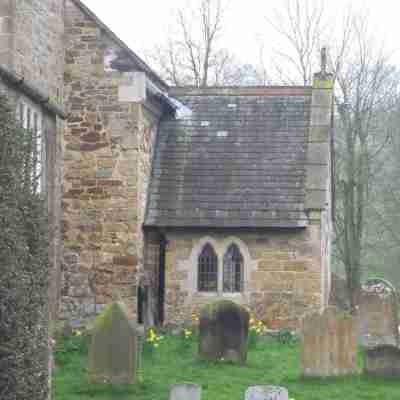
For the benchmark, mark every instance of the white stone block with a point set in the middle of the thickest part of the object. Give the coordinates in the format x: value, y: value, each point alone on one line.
x: 266, y: 393
x: 186, y: 391
x: 134, y: 90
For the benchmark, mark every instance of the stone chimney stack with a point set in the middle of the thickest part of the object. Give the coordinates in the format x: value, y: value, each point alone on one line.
x: 323, y: 61
x: 318, y: 149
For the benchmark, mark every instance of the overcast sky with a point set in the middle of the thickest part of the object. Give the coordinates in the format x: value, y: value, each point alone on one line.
x: 143, y: 23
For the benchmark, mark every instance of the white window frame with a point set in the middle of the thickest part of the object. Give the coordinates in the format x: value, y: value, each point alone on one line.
x: 30, y: 116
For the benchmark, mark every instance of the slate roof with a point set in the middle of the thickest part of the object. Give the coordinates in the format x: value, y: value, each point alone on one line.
x: 237, y: 161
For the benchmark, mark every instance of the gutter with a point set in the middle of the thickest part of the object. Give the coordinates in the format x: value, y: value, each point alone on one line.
x: 32, y: 92
x: 163, y: 96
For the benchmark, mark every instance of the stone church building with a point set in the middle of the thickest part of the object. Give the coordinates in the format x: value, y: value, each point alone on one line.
x: 169, y: 197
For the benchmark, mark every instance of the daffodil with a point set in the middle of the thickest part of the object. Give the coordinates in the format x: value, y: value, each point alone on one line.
x: 152, y: 335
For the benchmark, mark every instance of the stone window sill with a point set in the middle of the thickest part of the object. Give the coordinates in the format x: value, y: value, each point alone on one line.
x: 220, y: 294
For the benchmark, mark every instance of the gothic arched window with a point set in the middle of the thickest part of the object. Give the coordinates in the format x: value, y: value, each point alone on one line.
x: 233, y: 270
x: 208, y: 270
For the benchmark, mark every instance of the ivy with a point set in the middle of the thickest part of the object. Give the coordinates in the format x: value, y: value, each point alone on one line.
x: 24, y: 268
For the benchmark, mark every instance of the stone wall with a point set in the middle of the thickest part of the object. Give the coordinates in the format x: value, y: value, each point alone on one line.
x: 326, y: 274
x: 7, y: 11
x: 31, y: 37
x: 282, y: 277
x: 108, y: 148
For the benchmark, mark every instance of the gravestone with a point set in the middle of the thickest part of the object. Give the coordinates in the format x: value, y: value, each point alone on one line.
x: 223, y: 332
x: 186, y: 391
x: 382, y: 361
x: 377, y: 319
x: 266, y: 393
x: 113, y: 348
x: 329, y: 344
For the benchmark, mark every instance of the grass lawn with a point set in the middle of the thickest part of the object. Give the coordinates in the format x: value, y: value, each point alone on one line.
x: 270, y: 363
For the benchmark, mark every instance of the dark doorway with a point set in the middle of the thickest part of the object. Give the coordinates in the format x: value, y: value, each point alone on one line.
x: 141, y: 298
x: 161, y: 280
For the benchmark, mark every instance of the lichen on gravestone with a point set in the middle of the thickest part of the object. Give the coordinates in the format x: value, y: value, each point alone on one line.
x: 266, y: 393
x: 329, y: 344
x: 113, y: 351
x: 223, y: 332
x: 378, y: 314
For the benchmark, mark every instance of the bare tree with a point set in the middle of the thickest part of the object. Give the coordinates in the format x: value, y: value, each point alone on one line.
x: 382, y: 237
x: 192, y: 54
x: 365, y: 88
x: 301, y: 27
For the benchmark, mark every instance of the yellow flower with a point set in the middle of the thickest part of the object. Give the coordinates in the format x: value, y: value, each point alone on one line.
x: 156, y: 345
x: 152, y: 334
x: 78, y: 333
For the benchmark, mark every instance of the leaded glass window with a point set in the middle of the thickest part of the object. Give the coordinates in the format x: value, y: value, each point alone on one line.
x: 208, y: 270
x: 233, y: 270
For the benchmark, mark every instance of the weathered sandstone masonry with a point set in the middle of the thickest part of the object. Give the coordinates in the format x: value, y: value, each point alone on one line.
x: 282, y: 273
x: 319, y: 171
x: 31, y: 38
x: 108, y: 147
x: 7, y: 12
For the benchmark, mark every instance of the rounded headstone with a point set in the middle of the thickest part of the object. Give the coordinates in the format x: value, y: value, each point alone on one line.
x: 223, y: 332
x: 185, y: 391
x: 377, y: 314
x: 113, y: 351
x: 266, y: 393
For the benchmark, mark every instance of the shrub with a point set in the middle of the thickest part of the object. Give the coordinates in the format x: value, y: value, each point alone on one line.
x: 67, y: 347
x: 24, y: 267
x: 285, y: 336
